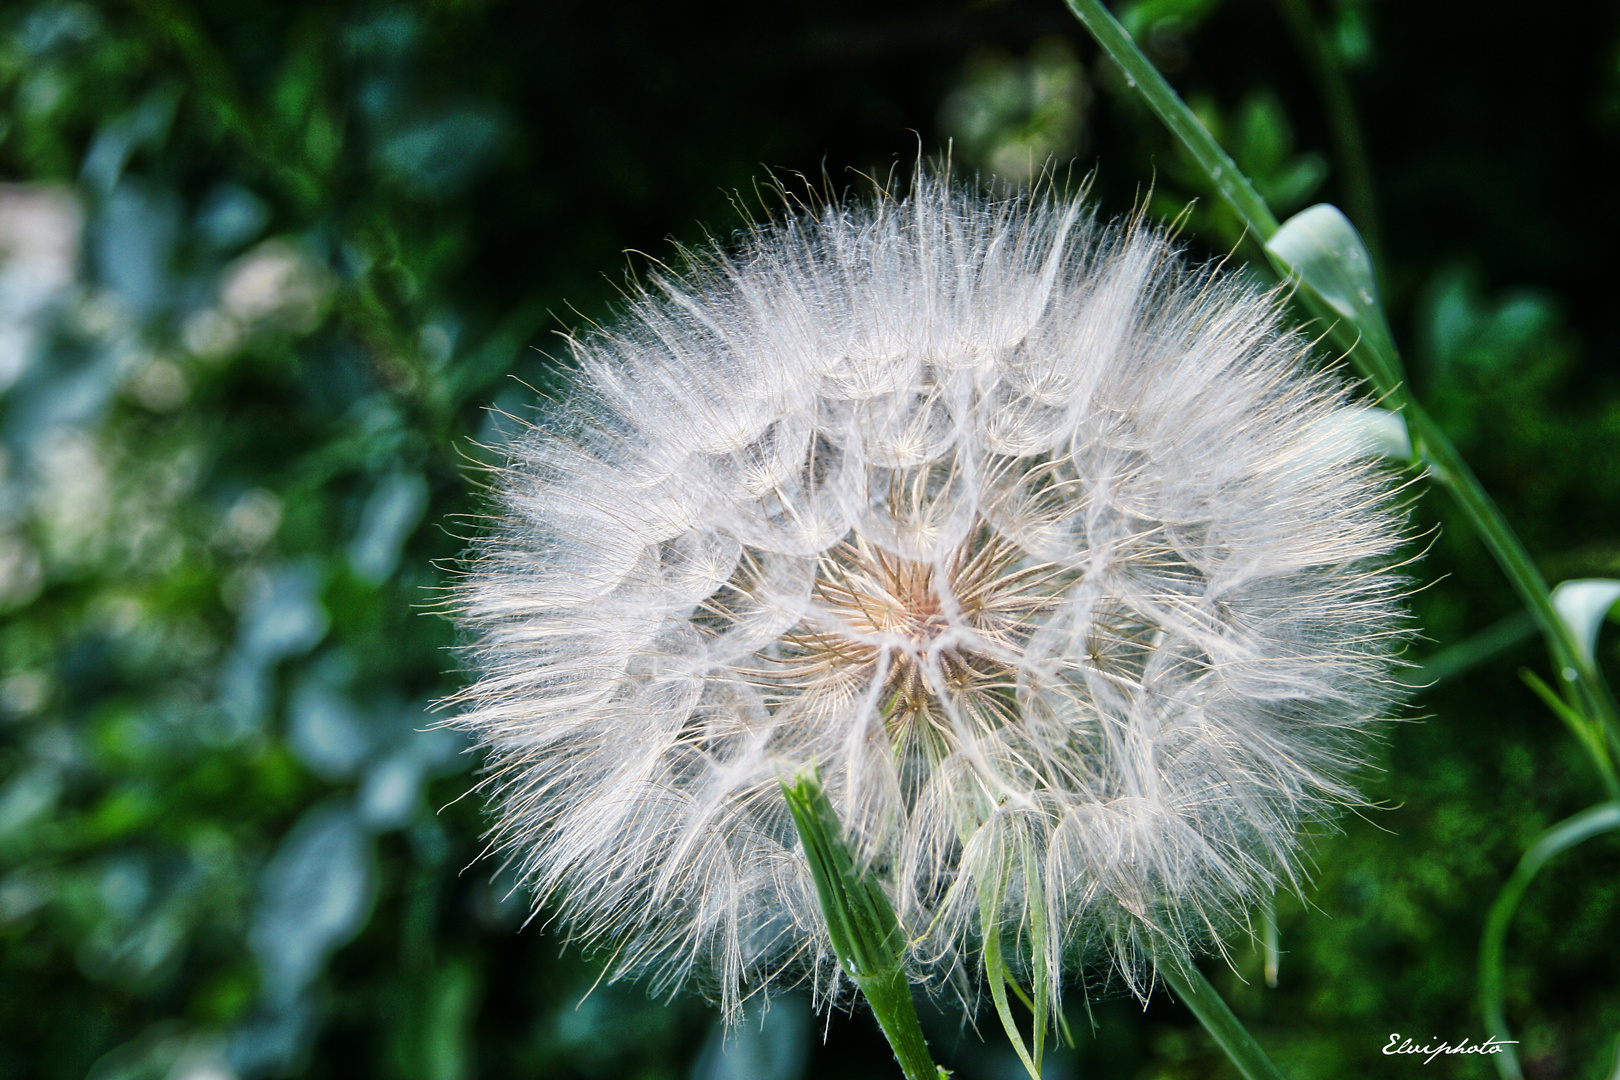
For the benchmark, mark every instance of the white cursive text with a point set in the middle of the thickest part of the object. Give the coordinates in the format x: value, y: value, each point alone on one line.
x: 1407, y: 1046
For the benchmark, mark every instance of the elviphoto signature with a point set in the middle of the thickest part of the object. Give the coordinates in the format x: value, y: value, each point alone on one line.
x: 1399, y: 1045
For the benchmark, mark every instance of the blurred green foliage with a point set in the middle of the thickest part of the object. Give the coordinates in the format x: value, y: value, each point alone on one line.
x: 273, y: 278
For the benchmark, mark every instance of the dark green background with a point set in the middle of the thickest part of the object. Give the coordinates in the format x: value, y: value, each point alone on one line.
x: 457, y: 181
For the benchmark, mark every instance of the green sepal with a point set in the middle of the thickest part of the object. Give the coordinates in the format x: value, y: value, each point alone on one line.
x: 866, y: 935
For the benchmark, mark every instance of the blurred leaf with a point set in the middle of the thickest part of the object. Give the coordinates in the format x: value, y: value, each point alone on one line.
x: 314, y: 897
x: 231, y: 216
x: 769, y: 1046
x: 326, y: 730
x: 392, y: 512
x: 133, y: 237
x: 1145, y: 16
x: 146, y: 125
x: 435, y: 156
x: 1015, y: 118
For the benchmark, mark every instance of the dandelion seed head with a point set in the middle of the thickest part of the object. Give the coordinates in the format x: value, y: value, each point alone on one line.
x: 1043, y: 545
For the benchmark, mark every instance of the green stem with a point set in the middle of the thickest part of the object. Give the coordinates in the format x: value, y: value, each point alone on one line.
x: 1367, y: 348
x: 889, y: 994
x: 866, y: 936
x: 1588, y: 734
x: 1566, y: 834
x: 1228, y: 1031
x: 1577, y: 675
x: 1227, y: 179
x: 1473, y: 650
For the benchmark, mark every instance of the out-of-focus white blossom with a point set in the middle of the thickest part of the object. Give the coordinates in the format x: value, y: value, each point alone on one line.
x: 160, y: 385
x: 1040, y: 543
x: 40, y: 228
x: 73, y: 497
x: 277, y: 284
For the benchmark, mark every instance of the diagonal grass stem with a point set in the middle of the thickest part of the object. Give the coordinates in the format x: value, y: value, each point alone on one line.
x: 1487, y: 644
x: 1360, y: 336
x: 1195, y: 992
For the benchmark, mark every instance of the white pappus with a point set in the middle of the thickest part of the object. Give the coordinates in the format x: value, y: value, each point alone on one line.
x: 1041, y: 543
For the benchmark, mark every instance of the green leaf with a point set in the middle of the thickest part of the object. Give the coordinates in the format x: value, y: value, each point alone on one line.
x: 1206, y: 1003
x: 1582, y: 603
x: 865, y: 934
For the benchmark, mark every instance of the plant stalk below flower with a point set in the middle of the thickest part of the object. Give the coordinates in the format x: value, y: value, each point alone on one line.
x: 866, y: 936
x: 1195, y: 992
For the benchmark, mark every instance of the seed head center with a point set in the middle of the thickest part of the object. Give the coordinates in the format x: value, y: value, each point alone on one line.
x: 877, y: 612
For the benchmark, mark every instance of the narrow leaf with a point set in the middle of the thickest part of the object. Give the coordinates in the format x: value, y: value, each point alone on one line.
x: 1561, y: 837
x: 1582, y: 604
x: 1587, y: 731
x: 1320, y: 247
x: 1227, y: 1030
